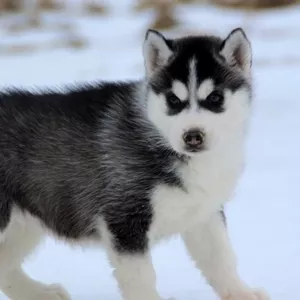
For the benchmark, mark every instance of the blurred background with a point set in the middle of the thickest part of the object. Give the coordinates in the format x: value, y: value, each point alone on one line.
x: 52, y: 43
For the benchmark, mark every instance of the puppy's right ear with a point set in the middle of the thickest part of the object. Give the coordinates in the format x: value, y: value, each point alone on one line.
x: 157, y: 51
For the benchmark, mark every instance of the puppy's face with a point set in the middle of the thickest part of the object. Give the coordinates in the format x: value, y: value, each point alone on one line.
x: 198, y: 89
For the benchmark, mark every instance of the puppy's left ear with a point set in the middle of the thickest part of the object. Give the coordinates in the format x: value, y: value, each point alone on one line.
x: 236, y: 49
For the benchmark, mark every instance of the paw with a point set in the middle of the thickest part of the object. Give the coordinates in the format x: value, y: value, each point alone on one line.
x: 51, y: 292
x: 248, y: 295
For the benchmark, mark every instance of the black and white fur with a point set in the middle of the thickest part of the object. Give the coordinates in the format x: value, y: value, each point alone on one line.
x: 110, y: 163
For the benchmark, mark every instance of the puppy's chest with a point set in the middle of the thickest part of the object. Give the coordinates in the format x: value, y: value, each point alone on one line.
x: 206, y: 187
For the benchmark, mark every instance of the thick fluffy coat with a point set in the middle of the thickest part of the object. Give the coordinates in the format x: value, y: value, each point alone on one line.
x: 127, y: 164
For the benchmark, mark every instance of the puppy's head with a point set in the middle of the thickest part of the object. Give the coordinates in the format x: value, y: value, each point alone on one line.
x: 199, y: 88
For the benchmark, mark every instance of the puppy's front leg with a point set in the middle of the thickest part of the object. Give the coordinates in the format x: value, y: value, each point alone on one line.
x: 209, y: 245
x: 128, y: 251
x: 135, y: 275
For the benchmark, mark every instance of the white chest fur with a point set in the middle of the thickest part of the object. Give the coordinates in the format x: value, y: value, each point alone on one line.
x: 209, y: 181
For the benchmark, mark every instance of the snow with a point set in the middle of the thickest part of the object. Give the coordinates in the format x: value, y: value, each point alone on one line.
x: 264, y: 218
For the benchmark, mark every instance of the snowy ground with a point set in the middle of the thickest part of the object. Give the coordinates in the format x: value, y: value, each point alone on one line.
x: 264, y: 219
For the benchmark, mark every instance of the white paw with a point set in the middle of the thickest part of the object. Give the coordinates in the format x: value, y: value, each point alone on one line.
x: 248, y: 295
x: 51, y: 292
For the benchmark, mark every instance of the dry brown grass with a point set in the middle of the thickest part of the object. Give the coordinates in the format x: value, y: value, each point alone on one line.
x: 76, y: 42
x: 95, y: 8
x: 164, y: 15
x: 71, y: 42
x: 16, y: 49
x: 143, y: 5
x: 32, y: 22
x: 50, y: 4
x: 18, y: 5
x: 147, y: 4
x: 11, y: 5
x: 185, y: 1
x: 255, y: 4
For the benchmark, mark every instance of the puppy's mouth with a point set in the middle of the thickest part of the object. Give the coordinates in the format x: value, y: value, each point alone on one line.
x: 195, y: 149
x: 187, y: 154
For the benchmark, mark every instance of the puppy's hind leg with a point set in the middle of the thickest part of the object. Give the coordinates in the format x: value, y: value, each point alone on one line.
x: 17, y: 241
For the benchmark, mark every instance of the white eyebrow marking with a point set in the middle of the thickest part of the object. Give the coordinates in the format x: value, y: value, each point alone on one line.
x: 180, y: 90
x: 206, y: 87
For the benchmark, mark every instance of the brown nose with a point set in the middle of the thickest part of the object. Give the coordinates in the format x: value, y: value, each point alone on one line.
x: 193, y: 138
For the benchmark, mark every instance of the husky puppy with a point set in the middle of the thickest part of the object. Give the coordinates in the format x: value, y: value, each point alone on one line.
x: 128, y: 164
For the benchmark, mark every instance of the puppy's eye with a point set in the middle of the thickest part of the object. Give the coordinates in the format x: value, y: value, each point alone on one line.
x: 213, y: 102
x: 173, y: 101
x: 215, y: 98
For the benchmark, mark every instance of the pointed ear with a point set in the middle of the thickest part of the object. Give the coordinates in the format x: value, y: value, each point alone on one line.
x: 157, y: 51
x: 236, y: 49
